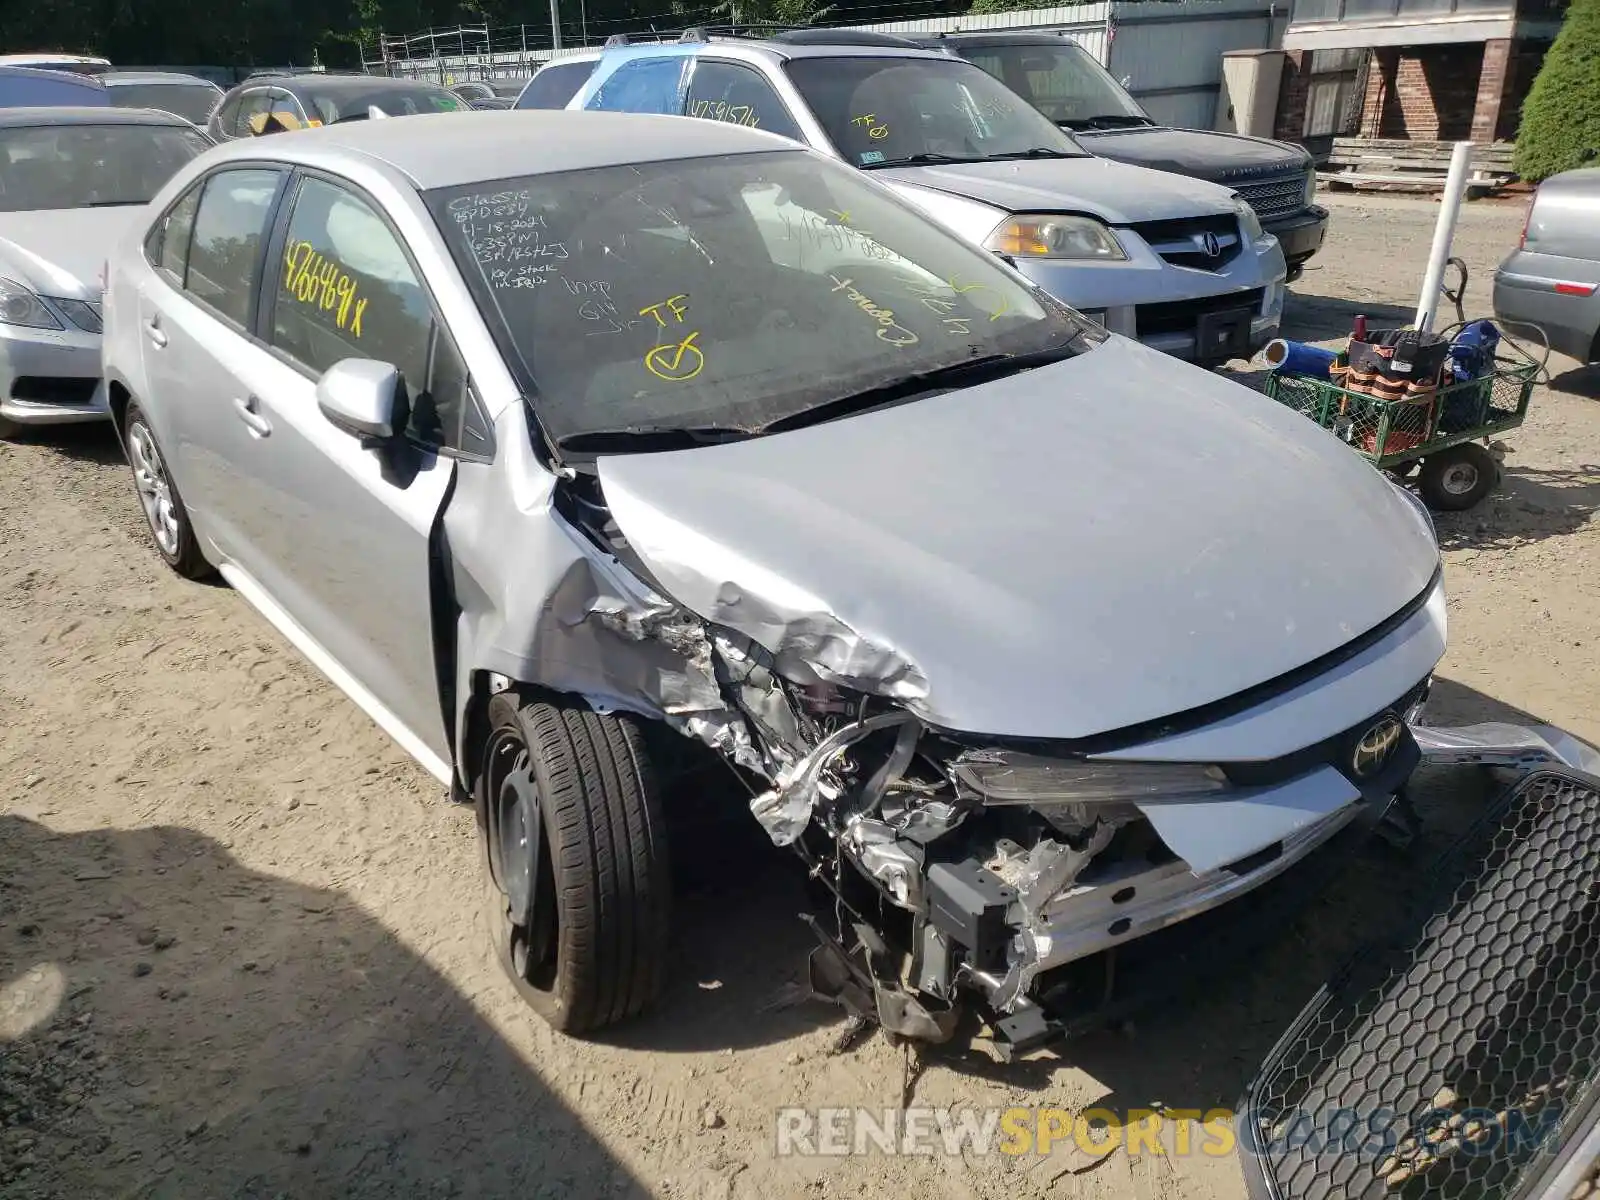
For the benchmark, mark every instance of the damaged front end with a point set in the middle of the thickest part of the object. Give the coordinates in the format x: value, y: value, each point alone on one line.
x: 960, y: 871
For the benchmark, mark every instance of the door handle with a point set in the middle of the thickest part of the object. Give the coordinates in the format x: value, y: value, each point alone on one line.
x: 250, y: 413
x: 153, y: 332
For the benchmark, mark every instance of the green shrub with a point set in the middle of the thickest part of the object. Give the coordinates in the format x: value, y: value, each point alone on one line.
x: 1561, y: 118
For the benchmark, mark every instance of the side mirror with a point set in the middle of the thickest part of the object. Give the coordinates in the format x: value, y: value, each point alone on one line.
x: 362, y: 397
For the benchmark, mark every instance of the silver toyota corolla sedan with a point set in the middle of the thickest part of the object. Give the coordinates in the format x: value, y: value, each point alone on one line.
x: 71, y: 181
x: 577, y: 446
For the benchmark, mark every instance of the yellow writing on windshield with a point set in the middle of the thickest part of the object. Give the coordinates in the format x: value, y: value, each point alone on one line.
x: 317, y: 280
x: 869, y: 122
x: 889, y: 330
x: 999, y: 305
x: 675, y: 361
x: 721, y: 110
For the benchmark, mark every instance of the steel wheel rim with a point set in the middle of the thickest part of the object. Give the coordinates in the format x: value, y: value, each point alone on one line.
x: 154, y: 488
x: 1459, y: 478
x: 519, y: 857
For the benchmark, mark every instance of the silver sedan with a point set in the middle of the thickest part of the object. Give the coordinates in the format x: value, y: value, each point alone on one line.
x: 1552, y: 279
x: 72, y: 180
x: 578, y: 447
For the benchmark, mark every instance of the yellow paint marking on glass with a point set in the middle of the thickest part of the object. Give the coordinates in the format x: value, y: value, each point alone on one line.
x: 869, y: 122
x: 962, y: 289
x: 315, y: 279
x: 889, y: 330
x: 676, y: 362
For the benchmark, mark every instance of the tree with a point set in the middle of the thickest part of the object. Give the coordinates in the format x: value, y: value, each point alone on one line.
x: 980, y: 7
x: 1561, y: 117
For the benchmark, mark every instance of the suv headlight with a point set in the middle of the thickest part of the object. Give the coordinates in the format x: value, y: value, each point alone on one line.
x: 1310, y: 196
x: 19, y: 306
x: 1048, y: 235
x: 1249, y: 223
x: 1013, y: 777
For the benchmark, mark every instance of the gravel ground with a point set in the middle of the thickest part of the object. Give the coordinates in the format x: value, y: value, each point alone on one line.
x: 239, y: 943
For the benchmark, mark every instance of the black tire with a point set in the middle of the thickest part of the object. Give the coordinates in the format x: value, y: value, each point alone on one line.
x: 182, y: 553
x: 578, y: 902
x: 8, y: 429
x: 1455, y: 479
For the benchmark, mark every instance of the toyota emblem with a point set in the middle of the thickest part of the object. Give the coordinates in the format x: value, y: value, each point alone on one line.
x: 1212, y: 247
x: 1373, y: 750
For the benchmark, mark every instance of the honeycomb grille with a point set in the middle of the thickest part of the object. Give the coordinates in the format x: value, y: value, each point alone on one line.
x: 1276, y: 197
x: 1453, y: 1057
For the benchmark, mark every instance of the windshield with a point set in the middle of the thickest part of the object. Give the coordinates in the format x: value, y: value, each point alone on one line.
x: 397, y: 102
x: 1063, y: 82
x: 728, y: 292
x: 883, y: 111
x: 90, y: 166
x: 191, y: 101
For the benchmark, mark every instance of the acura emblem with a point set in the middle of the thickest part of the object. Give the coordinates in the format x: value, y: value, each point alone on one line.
x: 1376, y: 745
x: 1211, y: 245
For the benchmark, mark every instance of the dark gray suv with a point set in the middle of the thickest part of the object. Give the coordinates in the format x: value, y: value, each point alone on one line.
x: 1063, y: 81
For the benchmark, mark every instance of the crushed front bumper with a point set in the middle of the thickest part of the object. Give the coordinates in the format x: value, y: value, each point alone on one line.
x: 1031, y: 985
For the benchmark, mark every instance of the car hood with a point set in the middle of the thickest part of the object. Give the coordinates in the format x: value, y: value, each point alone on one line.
x: 1226, y: 158
x: 1068, y: 551
x: 62, y: 252
x: 1112, y: 191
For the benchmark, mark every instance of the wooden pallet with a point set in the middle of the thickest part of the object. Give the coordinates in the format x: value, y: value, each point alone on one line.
x: 1396, y: 165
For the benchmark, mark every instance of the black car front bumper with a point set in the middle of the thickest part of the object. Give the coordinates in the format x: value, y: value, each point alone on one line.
x: 1300, y: 234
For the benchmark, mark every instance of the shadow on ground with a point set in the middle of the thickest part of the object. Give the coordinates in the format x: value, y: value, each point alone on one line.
x: 1529, y: 505
x: 166, y: 1030
x: 1578, y: 381
x: 96, y: 443
x: 1311, y: 318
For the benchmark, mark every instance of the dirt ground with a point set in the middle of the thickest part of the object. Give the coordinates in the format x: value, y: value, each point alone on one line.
x: 239, y: 943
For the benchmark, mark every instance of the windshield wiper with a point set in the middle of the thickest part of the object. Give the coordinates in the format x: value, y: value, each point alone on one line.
x: 1036, y: 152
x: 1107, y: 121
x: 971, y: 371
x: 921, y: 159
x: 651, y: 437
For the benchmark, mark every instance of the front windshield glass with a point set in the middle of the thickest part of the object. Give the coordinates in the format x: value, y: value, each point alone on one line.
x: 1063, y: 82
x: 90, y: 166
x: 191, y: 101
x: 397, y: 102
x: 729, y: 292
x: 884, y: 111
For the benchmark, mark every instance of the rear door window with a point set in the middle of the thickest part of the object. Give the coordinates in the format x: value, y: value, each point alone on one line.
x: 253, y: 110
x: 554, y: 86
x: 737, y: 95
x: 224, y: 264
x: 643, y: 85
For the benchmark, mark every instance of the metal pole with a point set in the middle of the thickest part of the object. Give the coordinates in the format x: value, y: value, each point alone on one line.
x: 555, y: 25
x: 1455, y: 187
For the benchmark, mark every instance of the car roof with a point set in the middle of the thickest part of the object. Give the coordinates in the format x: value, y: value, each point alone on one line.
x: 770, y: 49
x: 113, y: 78
x: 1030, y: 38
x: 449, y: 149
x: 19, y: 72
x: 325, y: 84
x: 14, y: 118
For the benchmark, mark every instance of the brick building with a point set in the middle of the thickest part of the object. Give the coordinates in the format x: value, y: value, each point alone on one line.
x: 1423, y: 70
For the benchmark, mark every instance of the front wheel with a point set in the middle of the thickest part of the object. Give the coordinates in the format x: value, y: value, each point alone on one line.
x: 579, y: 886
x: 1455, y: 479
